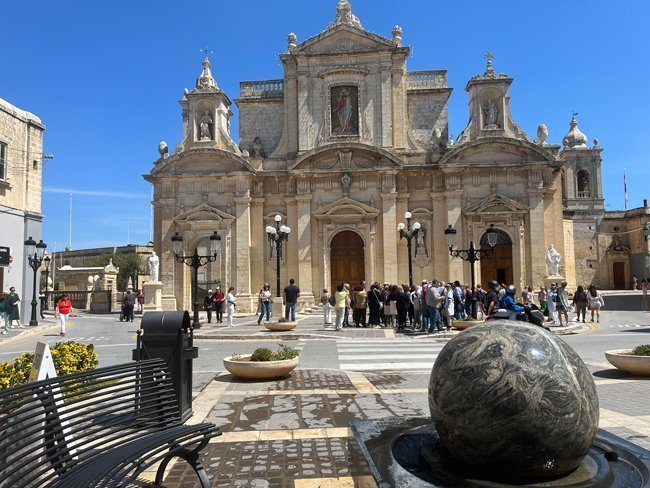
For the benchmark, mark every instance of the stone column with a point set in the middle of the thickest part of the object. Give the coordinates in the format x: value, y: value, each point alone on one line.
x: 164, y: 229
x: 303, y: 237
x: 291, y: 254
x: 389, y: 230
x: 439, y: 251
x: 291, y: 113
x: 455, y: 219
x: 386, y: 108
x: 304, y: 117
x: 402, y: 249
x: 242, y: 279
x: 536, y: 247
x: 258, y: 243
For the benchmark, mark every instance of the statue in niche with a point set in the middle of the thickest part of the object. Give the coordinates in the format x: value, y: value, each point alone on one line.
x: 257, y: 151
x: 553, y: 260
x: 204, y: 126
x: 420, y: 246
x: 491, y: 113
x: 153, y: 264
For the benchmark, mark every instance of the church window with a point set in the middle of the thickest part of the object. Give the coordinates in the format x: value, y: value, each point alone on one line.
x: 3, y: 161
x: 583, y: 184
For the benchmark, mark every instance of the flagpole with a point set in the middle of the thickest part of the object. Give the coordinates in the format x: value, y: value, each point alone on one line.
x: 625, y: 186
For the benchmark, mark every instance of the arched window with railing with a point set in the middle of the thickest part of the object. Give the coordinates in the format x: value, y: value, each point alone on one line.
x: 583, y: 184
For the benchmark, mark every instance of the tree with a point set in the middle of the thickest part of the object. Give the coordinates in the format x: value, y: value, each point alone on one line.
x: 131, y: 266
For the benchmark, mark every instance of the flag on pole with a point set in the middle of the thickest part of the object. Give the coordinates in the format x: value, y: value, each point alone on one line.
x: 625, y: 186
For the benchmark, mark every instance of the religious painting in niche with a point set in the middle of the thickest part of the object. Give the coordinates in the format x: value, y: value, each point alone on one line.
x: 344, y: 102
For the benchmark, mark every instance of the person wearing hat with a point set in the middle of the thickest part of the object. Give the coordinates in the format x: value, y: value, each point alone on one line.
x: 208, y: 302
x: 552, y: 298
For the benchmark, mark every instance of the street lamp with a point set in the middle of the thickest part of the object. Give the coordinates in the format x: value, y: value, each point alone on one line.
x: 35, y: 259
x: 408, y: 232
x: 195, y: 261
x: 472, y: 255
x: 276, y: 235
x: 46, y: 261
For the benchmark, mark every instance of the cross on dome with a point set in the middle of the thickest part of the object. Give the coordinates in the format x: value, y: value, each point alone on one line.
x: 206, y: 82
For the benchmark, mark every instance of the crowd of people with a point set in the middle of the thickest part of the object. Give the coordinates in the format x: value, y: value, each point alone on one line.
x: 433, y: 305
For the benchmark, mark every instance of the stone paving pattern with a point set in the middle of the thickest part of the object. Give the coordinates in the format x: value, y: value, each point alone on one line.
x: 294, y: 432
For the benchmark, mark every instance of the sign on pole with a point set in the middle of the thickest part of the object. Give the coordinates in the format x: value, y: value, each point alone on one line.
x: 5, y: 256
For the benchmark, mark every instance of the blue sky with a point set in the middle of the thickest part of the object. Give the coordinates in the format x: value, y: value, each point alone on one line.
x: 105, y: 78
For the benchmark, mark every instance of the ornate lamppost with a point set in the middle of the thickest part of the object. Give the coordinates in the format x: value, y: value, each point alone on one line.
x: 35, y: 259
x: 276, y: 235
x: 195, y: 262
x: 409, y: 232
x: 472, y: 255
x: 46, y: 262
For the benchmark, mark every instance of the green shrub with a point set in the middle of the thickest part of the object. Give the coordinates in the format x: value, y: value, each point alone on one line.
x: 68, y: 357
x: 236, y: 357
x: 285, y: 352
x: 643, y: 350
x: 262, y: 354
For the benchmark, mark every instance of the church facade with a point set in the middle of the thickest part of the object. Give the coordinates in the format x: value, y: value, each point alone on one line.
x: 347, y: 142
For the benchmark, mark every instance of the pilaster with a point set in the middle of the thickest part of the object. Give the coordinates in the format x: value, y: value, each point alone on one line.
x: 291, y: 243
x: 438, y: 241
x: 303, y: 234
x: 258, y: 243
x: 536, y: 247
x: 402, y: 206
x: 455, y: 219
x: 389, y: 230
x: 242, y: 278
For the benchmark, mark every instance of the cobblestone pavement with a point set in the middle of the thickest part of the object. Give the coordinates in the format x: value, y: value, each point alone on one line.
x: 294, y: 433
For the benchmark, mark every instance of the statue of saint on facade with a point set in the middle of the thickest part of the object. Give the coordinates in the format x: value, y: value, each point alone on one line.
x: 542, y: 134
x: 204, y: 126
x: 420, y: 246
x: 553, y: 260
x: 491, y: 112
x: 153, y: 263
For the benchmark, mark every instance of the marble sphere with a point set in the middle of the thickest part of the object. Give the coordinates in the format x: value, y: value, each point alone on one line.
x: 513, y: 399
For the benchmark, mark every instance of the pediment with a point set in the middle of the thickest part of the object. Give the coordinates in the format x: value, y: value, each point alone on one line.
x: 345, y: 209
x: 203, y: 213
x: 496, y: 204
x: 494, y: 152
x: 203, y: 161
x: 346, y: 157
x: 343, y: 39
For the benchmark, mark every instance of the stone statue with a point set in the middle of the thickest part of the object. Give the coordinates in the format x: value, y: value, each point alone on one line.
x: 204, y: 125
x: 491, y: 112
x: 542, y: 134
x: 153, y: 263
x: 257, y: 151
x: 163, y: 149
x: 292, y: 40
x: 420, y: 246
x: 553, y: 260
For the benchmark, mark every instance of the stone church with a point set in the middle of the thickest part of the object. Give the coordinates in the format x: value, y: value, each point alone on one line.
x: 344, y: 144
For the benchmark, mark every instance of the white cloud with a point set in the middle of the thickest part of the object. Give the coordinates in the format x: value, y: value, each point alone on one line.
x: 97, y: 193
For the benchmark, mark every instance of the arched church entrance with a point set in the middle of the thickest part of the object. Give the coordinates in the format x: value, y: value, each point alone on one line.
x: 498, y: 266
x: 347, y: 259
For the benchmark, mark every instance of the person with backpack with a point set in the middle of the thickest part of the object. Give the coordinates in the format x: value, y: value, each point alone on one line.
x: 327, y: 301
x: 207, y: 305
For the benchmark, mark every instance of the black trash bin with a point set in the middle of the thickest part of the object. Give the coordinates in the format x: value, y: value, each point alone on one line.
x: 168, y: 335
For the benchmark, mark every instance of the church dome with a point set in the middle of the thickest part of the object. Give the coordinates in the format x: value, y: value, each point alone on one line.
x: 574, y: 138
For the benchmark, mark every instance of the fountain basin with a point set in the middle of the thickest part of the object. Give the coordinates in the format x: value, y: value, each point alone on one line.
x: 408, y: 453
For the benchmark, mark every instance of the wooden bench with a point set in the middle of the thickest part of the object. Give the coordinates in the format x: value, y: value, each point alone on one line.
x: 98, y: 428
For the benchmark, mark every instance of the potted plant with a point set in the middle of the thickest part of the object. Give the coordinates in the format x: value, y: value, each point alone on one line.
x: 263, y: 364
x: 464, y: 324
x: 281, y: 325
x: 635, y: 361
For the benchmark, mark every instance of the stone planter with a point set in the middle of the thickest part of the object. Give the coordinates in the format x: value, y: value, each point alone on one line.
x: 259, y: 370
x: 280, y: 326
x: 466, y: 324
x: 624, y: 360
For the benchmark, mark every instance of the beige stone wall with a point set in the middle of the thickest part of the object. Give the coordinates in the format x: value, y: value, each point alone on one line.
x: 24, y: 138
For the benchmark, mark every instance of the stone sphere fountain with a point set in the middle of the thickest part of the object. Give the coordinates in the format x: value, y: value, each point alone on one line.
x: 511, y: 405
x: 514, y: 398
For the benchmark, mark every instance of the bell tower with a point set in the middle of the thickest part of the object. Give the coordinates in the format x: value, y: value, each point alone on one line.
x: 206, y: 113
